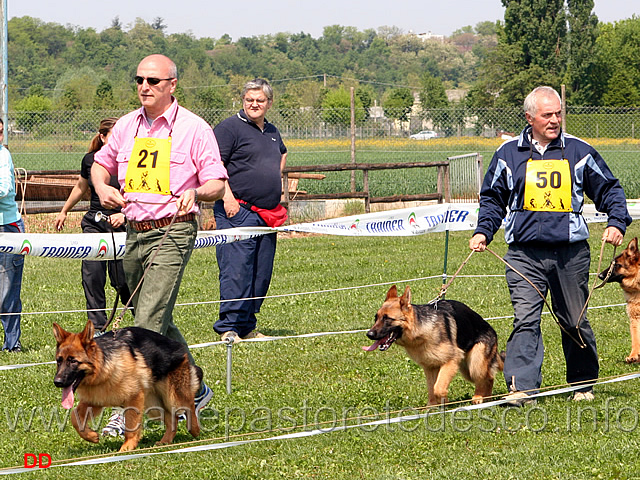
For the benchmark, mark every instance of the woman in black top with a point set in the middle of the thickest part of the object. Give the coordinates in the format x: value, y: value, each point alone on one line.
x: 94, y: 272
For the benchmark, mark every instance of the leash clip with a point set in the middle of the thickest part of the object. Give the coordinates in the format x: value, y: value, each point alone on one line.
x: 101, y: 217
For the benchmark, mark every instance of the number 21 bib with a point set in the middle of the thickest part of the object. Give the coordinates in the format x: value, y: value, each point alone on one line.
x: 148, y: 168
x: 547, y: 186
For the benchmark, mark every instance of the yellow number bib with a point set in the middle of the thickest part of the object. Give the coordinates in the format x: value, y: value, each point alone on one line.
x: 148, y: 168
x: 547, y: 186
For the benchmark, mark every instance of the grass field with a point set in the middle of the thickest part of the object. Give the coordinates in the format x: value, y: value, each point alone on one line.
x: 300, y: 384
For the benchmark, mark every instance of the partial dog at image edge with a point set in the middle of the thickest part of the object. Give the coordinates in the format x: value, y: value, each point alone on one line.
x: 626, y: 272
x: 442, y: 338
x: 134, y: 368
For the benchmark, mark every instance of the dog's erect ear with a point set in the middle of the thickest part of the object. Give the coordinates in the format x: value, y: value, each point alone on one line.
x: 86, y: 336
x: 392, y: 293
x: 405, y: 299
x: 59, y: 333
x: 633, y: 247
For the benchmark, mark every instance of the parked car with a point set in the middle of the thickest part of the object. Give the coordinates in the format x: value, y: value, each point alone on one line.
x: 424, y: 135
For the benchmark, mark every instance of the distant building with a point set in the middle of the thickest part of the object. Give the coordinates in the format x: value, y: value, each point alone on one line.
x: 430, y: 36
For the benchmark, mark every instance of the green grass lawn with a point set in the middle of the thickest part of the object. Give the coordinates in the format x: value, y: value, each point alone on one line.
x: 301, y: 384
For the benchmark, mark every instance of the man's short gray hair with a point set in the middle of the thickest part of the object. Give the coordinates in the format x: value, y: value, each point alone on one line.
x: 530, y: 104
x: 258, y: 84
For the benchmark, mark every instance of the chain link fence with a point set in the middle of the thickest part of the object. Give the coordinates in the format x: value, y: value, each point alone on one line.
x: 57, y: 140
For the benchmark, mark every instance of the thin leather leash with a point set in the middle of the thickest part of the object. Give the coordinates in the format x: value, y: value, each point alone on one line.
x: 595, y: 284
x: 443, y: 289
x: 101, y: 217
x: 580, y: 343
x: 153, y: 257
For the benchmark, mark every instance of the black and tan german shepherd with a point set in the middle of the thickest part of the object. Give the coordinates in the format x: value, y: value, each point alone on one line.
x: 626, y: 272
x: 133, y: 368
x: 442, y: 338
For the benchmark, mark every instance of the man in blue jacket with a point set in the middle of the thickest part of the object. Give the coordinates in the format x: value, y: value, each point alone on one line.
x: 539, y: 180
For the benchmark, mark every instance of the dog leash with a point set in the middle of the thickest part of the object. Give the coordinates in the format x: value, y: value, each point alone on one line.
x: 101, y: 217
x: 116, y: 324
x: 443, y: 289
x: 603, y: 283
x: 581, y: 343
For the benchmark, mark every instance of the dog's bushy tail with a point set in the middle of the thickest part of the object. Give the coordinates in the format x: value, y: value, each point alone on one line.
x: 500, y: 360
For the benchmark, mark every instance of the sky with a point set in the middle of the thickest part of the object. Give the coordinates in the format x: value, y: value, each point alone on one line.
x: 207, y: 18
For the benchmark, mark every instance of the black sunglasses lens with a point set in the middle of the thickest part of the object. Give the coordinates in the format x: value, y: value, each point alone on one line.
x: 151, y: 80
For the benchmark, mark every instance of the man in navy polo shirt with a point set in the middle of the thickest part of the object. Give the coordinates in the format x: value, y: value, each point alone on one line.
x: 254, y: 154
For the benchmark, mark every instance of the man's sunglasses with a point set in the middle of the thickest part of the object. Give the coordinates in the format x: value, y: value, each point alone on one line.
x: 150, y: 80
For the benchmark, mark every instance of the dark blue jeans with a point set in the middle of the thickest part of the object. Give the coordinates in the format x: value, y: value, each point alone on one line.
x: 245, y: 272
x: 11, y: 267
x: 563, y: 271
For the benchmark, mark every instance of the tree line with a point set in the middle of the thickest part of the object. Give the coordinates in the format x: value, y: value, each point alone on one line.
x: 56, y: 67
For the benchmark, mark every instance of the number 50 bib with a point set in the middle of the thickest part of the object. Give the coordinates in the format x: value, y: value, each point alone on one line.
x: 547, y: 186
x: 148, y: 168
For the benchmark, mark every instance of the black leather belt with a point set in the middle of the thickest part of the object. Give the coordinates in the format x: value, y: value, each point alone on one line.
x: 146, y: 225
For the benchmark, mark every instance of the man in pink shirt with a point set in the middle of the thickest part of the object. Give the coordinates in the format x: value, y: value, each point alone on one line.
x: 166, y: 159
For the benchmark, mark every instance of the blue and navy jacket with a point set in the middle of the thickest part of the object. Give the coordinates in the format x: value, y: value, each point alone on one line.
x: 502, y: 193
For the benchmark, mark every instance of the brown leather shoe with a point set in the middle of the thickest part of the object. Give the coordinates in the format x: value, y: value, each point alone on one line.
x: 253, y: 334
x: 230, y: 336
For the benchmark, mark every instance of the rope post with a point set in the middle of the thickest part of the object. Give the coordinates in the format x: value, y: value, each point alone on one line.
x: 446, y: 255
x: 229, y: 363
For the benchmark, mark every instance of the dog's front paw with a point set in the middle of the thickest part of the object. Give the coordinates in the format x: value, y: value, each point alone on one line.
x: 91, y: 436
x: 633, y: 358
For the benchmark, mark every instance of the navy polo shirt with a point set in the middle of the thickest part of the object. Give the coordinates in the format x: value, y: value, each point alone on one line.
x: 252, y: 159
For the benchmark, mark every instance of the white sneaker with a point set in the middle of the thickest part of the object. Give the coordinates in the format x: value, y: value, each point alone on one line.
x: 583, y: 396
x: 115, y: 426
x: 204, y: 396
x: 518, y: 399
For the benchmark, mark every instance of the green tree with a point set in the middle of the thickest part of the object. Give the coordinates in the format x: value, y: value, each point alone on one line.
x: 337, y: 108
x: 103, y: 98
x: 622, y: 90
x: 32, y: 112
x: 617, y: 61
x: 398, y: 103
x: 532, y: 41
x: 539, y: 29
x: 434, y: 102
x: 581, y: 75
x: 76, y: 88
x: 209, y: 101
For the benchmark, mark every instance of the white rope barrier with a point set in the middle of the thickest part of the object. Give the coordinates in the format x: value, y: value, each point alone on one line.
x: 315, y: 432
x: 404, y: 222
x: 285, y: 337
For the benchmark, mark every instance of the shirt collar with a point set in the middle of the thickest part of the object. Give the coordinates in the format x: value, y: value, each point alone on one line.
x: 243, y: 116
x: 168, y: 115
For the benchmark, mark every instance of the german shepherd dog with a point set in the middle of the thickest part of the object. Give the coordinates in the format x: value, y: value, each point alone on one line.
x: 442, y: 338
x: 626, y: 271
x: 134, y: 368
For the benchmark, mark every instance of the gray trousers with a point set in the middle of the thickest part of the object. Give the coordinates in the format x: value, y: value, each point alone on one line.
x: 562, y: 270
x: 154, y: 301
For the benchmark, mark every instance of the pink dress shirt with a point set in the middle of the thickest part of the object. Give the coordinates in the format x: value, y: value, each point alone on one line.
x: 195, y: 158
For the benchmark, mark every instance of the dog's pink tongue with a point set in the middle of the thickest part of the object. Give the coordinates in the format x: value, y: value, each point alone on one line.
x: 373, y: 347
x: 67, y: 398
